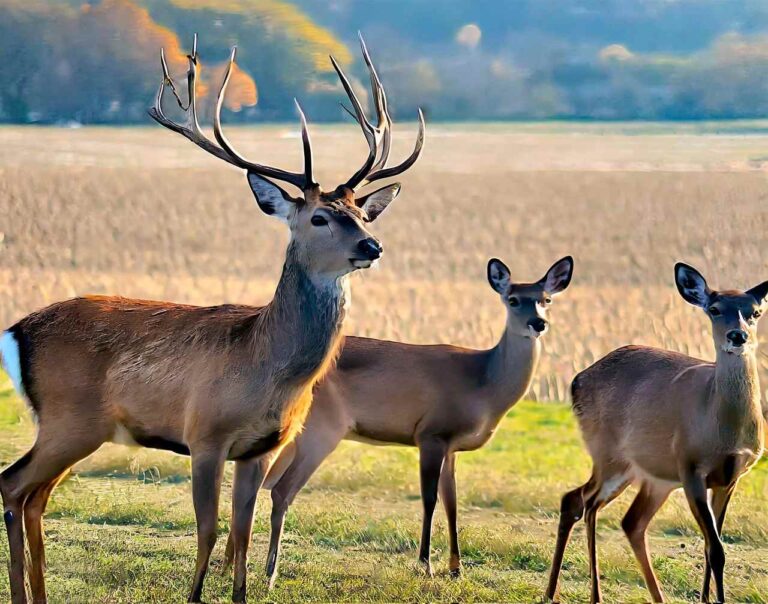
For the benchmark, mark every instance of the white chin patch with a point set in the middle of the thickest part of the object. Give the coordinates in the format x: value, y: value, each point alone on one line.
x: 363, y: 263
x: 731, y: 349
x: 533, y: 334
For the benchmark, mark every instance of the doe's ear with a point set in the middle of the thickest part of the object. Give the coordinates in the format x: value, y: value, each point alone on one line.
x: 692, y: 285
x: 498, y: 275
x: 558, y: 277
x: 272, y: 200
x: 760, y: 293
x: 375, y: 203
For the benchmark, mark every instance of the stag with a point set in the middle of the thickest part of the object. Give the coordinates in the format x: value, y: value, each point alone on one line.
x: 218, y: 383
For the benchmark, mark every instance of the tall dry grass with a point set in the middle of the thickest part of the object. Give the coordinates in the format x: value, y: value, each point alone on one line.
x: 140, y: 212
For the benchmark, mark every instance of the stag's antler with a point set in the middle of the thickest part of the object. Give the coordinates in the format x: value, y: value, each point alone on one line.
x: 224, y: 150
x: 379, y: 136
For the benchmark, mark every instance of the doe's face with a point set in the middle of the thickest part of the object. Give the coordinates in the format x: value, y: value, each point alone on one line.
x: 734, y: 314
x: 528, y: 303
x: 329, y: 228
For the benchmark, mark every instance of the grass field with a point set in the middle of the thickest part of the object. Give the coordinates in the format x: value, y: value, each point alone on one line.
x: 122, y: 528
x: 139, y: 213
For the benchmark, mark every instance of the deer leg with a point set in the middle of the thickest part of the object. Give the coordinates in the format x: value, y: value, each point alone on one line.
x: 590, y: 518
x: 720, y: 499
x: 312, y: 448
x: 431, y: 456
x: 635, y: 523
x: 48, y: 459
x: 277, y: 522
x: 34, y: 508
x: 695, y: 487
x: 13, y: 505
x: 447, y: 489
x: 249, y: 476
x: 207, y: 469
x: 607, y: 492
x: 571, y: 511
x: 229, y: 550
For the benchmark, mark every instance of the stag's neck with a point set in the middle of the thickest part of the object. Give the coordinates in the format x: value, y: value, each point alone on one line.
x: 736, y: 391
x: 305, y: 319
x: 511, y: 366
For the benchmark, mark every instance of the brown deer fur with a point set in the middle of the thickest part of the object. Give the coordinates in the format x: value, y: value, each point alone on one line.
x: 442, y: 399
x: 218, y: 383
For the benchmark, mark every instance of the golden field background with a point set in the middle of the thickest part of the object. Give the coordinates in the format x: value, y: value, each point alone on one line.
x: 143, y: 213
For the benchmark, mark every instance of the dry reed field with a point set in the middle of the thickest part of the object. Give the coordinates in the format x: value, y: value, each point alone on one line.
x: 140, y: 213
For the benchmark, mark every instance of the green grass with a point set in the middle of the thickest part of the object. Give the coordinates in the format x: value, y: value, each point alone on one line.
x: 121, y: 529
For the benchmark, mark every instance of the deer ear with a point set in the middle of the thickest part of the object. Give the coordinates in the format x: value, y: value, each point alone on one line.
x: 375, y: 203
x: 498, y: 276
x: 691, y: 285
x: 272, y: 199
x: 558, y: 277
x: 760, y: 293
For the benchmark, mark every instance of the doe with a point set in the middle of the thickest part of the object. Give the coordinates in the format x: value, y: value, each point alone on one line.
x: 442, y: 399
x: 664, y: 420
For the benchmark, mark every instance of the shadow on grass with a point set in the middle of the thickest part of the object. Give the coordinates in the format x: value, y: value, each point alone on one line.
x: 145, y: 477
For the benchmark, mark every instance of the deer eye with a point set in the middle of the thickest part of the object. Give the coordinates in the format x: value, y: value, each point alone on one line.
x: 318, y: 220
x: 714, y: 311
x: 756, y: 314
x: 513, y: 301
x: 547, y: 301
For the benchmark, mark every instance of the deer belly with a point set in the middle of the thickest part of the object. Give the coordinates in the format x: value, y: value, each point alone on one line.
x: 136, y: 436
x: 359, y: 438
x: 660, y: 466
x: 249, y: 448
x: 389, y: 429
x: 473, y: 440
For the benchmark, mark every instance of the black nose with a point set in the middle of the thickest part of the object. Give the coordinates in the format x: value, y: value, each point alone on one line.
x: 371, y: 248
x: 737, y: 337
x: 538, y: 324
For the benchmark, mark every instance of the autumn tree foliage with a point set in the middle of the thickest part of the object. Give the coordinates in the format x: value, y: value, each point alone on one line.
x: 113, y: 61
x: 279, y: 45
x: 98, y: 62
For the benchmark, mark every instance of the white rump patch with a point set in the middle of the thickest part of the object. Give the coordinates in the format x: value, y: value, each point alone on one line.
x: 9, y: 354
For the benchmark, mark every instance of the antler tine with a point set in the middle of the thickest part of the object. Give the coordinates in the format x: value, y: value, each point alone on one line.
x: 409, y: 161
x: 298, y: 180
x: 191, y: 130
x: 307, y: 143
x: 380, y: 100
x: 371, y: 133
x: 348, y: 110
x: 374, y: 169
x: 167, y: 79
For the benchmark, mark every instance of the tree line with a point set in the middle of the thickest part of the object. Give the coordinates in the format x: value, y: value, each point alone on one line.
x: 97, y: 61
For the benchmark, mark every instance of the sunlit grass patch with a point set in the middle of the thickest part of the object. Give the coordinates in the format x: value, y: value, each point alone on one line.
x: 122, y: 528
